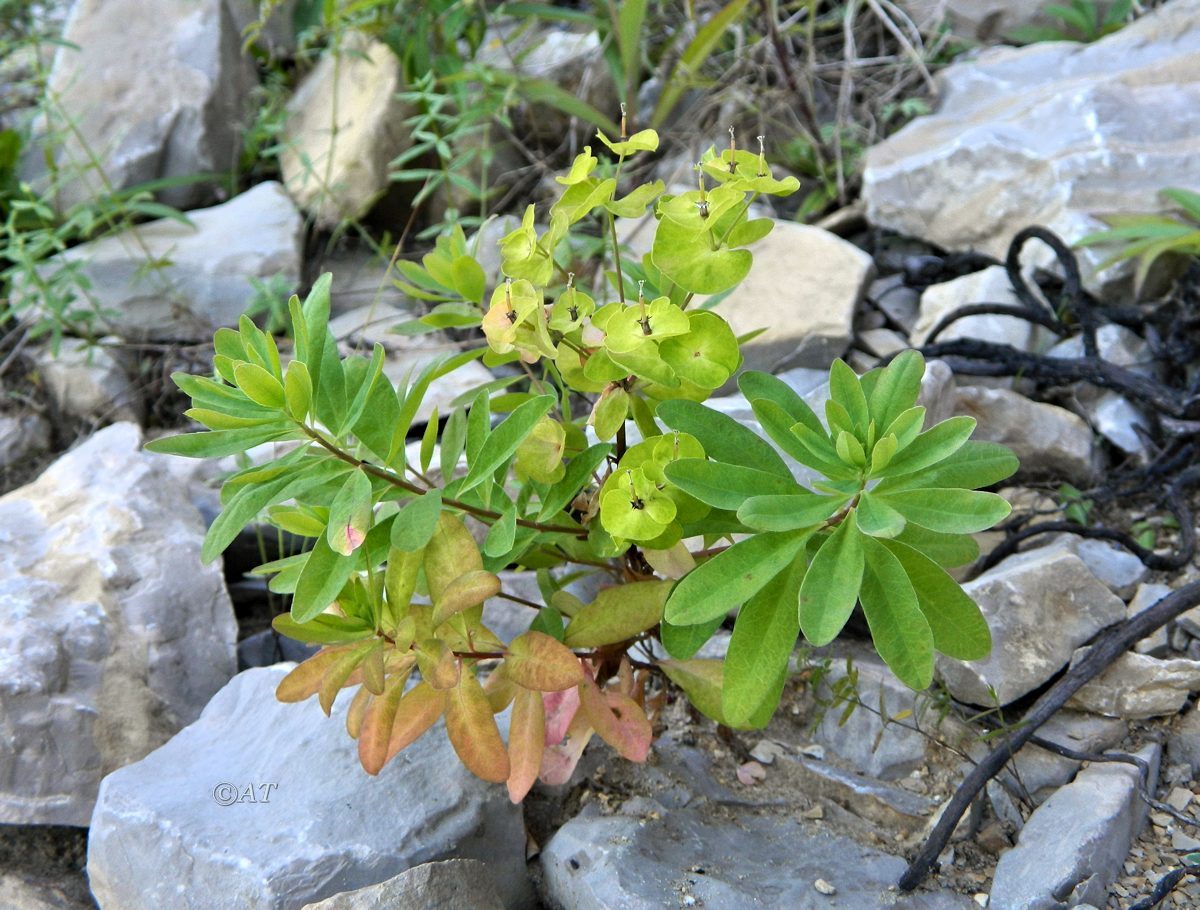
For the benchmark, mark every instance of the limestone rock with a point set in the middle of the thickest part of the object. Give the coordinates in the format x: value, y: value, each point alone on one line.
x: 116, y: 635
x: 1073, y: 846
x: 88, y: 382
x: 22, y: 436
x: 803, y: 288
x: 407, y: 355
x: 203, y: 281
x: 1137, y: 686
x: 1113, y: 565
x: 1050, y: 134
x: 991, y: 285
x: 337, y: 170
x: 1041, y: 606
x: 447, y: 885
x: 1183, y: 747
x: 980, y: 20
x: 1049, y: 440
x: 885, y: 752
x: 1156, y: 644
x: 179, y: 830
x: 151, y: 96
x: 737, y: 859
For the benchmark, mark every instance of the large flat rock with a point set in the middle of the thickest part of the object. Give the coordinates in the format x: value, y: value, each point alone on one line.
x: 179, y: 829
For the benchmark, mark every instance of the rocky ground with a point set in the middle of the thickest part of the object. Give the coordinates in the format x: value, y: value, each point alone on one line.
x: 151, y: 765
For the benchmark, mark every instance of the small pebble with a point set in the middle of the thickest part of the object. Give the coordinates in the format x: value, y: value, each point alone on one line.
x: 816, y: 812
x: 751, y: 773
x: 981, y: 898
x: 1184, y: 843
x: 1179, y: 798
x: 814, y: 751
x: 766, y: 751
x: 1160, y: 818
x: 824, y: 887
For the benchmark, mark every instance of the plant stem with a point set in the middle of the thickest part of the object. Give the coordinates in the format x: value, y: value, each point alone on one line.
x: 403, y: 484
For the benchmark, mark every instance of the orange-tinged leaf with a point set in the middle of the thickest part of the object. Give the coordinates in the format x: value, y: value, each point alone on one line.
x: 451, y: 552
x: 304, y: 680
x: 468, y: 590
x: 526, y: 742
x: 375, y: 735
x: 373, y: 675
x: 358, y: 707
x: 617, y: 720
x: 339, y: 675
x: 473, y: 732
x: 418, y: 710
x: 499, y: 689
x: 439, y: 667
x: 538, y: 661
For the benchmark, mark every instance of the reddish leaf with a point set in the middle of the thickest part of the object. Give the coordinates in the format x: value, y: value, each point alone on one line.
x: 526, y: 742
x: 373, y: 671
x: 499, y: 689
x: 418, y: 710
x: 561, y: 708
x: 376, y: 732
x: 339, y: 674
x: 559, y: 760
x: 538, y: 661
x: 617, y: 720
x: 751, y: 773
x: 473, y: 732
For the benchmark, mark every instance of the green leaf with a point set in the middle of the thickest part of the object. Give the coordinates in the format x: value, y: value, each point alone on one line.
x: 876, y: 518
x: 469, y: 279
x: 415, y: 524
x: 959, y: 629
x: 703, y: 681
x: 898, y: 627
x: 350, y: 514
x: 764, y: 637
x: 949, y: 511
x: 502, y: 443
x: 830, y: 587
x: 219, y: 443
x: 618, y: 614
x: 324, y: 575
x: 500, y: 538
x: 325, y: 629
x: 976, y: 464
x: 259, y: 385
x: 846, y: 390
x: 897, y: 388
x: 579, y: 470
x: 947, y: 550
x: 732, y: 577
x: 726, y: 486
x: 684, y: 641
x: 297, y: 387
x: 688, y: 259
x: 362, y: 382
x: 930, y: 447
x: 629, y: 38
x: 786, y: 513
x: 723, y: 438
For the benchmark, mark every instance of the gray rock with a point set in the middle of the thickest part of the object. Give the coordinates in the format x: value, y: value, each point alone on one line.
x: 1183, y: 746
x: 1040, y: 606
x: 360, y: 329
x: 88, y: 382
x: 900, y: 302
x: 116, y: 635
x: 268, y: 647
x: 985, y: 165
x: 277, y: 35
x: 160, y: 837
x: 991, y: 285
x: 886, y: 752
x: 452, y: 884
x: 1116, y: 567
x: 979, y: 20
x: 804, y: 288
x: 1049, y: 440
x: 895, y: 810
x: 1114, y: 343
x: 1156, y: 644
x: 1074, y: 844
x: 882, y: 342
x: 344, y: 127
x: 150, y: 97
x: 735, y: 860
x: 22, y: 436
x: 17, y: 892
x: 1138, y: 686
x: 203, y: 281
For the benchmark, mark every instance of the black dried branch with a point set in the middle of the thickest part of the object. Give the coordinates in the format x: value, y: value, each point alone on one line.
x: 1165, y: 886
x: 1108, y: 647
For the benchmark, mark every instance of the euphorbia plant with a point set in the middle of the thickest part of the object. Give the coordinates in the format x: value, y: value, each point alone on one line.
x: 607, y: 462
